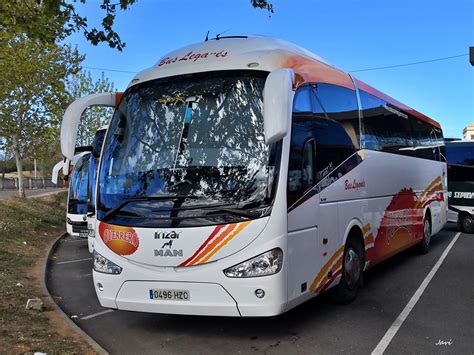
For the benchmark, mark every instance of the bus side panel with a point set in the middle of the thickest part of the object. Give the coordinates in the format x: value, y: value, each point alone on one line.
x: 303, y: 250
x: 389, y: 194
x: 399, y: 190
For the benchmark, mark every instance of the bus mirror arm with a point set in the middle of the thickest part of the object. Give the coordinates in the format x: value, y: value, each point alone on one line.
x: 73, y: 114
x: 278, y: 104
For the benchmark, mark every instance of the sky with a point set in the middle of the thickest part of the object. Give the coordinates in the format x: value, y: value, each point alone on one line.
x: 350, y: 34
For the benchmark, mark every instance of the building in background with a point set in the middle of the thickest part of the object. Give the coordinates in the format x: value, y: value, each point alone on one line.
x: 468, y: 132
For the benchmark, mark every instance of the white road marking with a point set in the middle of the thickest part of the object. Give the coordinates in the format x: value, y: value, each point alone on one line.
x: 73, y: 261
x: 392, y: 331
x: 97, y: 314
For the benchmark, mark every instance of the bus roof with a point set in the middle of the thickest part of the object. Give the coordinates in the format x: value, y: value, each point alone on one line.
x: 258, y: 53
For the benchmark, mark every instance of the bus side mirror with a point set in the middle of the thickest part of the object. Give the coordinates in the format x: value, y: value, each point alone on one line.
x: 278, y: 104
x: 72, y: 116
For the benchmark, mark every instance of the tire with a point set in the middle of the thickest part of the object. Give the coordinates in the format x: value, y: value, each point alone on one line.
x: 424, y: 245
x: 466, y: 223
x: 352, y: 272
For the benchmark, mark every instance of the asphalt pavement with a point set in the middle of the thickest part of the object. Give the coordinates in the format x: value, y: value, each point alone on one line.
x: 441, y: 321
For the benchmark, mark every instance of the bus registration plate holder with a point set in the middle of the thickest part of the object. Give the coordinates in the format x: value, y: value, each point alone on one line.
x: 170, y: 295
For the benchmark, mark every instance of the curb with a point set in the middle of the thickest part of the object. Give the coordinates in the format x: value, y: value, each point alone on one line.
x: 45, y: 263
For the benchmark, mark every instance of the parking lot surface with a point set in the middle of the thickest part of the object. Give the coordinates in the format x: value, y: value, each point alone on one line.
x: 441, y: 321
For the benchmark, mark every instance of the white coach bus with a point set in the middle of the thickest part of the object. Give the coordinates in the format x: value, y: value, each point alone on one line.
x: 460, y: 155
x: 242, y: 176
x: 81, y: 173
x: 91, y: 186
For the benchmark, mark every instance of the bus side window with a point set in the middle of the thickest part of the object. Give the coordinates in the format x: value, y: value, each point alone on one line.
x: 320, y: 142
x: 384, y: 129
x: 340, y: 104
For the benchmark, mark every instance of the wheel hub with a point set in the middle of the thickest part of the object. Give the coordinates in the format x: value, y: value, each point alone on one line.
x: 352, y: 268
x: 427, y: 232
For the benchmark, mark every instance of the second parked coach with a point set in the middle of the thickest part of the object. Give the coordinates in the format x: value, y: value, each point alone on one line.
x: 243, y: 176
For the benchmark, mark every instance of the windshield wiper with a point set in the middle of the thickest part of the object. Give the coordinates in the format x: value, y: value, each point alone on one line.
x: 235, y: 211
x: 112, y: 212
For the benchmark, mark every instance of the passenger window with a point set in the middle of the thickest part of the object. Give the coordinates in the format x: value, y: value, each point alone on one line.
x: 302, y: 101
x: 319, y: 143
x: 390, y: 129
x: 386, y: 128
x: 340, y: 104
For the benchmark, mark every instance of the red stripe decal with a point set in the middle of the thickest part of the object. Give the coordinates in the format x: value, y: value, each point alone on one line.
x: 213, y: 234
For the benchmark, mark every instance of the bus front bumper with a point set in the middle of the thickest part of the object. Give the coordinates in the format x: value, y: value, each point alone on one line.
x: 205, y: 298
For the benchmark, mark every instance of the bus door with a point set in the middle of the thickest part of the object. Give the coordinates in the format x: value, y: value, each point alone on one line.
x: 303, y: 204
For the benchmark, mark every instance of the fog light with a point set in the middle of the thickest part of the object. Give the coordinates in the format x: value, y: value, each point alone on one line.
x: 259, y: 293
x: 100, y: 286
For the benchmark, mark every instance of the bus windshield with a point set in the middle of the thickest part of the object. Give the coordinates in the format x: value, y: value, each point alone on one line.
x: 460, y: 153
x: 77, y: 203
x: 189, y: 144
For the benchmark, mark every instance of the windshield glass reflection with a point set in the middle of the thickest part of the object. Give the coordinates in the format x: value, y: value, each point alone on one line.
x: 77, y: 203
x: 199, y: 137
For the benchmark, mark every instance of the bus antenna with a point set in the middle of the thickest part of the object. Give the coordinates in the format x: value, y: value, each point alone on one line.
x: 207, y: 36
x: 219, y: 34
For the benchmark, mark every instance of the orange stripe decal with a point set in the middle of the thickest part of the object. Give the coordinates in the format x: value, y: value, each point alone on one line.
x: 324, y: 269
x: 434, y: 182
x: 366, y: 228
x: 225, y: 241
x: 208, y: 240
x: 213, y: 243
x: 325, y: 280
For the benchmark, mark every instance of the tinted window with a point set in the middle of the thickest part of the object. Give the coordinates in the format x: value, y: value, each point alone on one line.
x: 340, y: 104
x: 77, y: 203
x: 387, y: 128
x: 302, y: 100
x: 319, y: 140
x: 98, y: 141
x: 461, y: 154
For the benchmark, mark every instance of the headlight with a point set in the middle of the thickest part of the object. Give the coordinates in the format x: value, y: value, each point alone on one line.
x: 268, y: 263
x: 104, y: 265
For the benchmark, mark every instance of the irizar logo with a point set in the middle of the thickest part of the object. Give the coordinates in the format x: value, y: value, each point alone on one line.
x: 167, y: 235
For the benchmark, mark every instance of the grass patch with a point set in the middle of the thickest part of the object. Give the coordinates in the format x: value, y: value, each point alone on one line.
x: 27, y: 227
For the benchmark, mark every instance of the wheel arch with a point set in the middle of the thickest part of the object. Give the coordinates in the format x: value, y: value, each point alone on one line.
x: 355, y: 230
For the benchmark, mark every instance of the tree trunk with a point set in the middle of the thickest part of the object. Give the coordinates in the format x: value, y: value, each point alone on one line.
x: 19, y: 169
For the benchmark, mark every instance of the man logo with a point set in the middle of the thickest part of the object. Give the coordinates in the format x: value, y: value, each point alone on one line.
x: 167, y: 244
x: 169, y: 252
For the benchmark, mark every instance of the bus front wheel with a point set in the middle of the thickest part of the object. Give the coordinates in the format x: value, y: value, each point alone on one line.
x: 466, y: 223
x: 352, y: 270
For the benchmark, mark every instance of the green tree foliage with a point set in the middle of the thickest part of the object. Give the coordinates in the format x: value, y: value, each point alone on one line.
x: 262, y: 4
x: 93, y: 118
x: 33, y: 95
x: 53, y: 20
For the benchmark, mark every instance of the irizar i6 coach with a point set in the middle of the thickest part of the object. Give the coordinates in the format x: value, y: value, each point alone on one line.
x: 242, y: 176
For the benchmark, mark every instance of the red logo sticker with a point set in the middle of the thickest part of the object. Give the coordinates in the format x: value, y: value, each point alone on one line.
x: 121, y: 240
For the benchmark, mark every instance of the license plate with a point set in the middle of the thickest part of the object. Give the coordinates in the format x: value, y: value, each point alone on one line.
x: 84, y: 233
x: 170, y: 295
